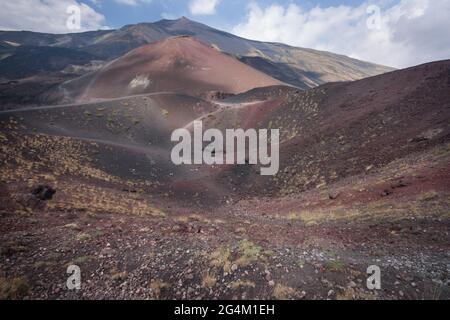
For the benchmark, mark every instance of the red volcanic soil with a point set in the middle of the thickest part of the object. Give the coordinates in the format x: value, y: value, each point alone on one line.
x: 342, y: 129
x: 180, y: 64
x: 364, y: 180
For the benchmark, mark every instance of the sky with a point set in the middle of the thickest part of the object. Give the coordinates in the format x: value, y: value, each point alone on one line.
x: 397, y: 33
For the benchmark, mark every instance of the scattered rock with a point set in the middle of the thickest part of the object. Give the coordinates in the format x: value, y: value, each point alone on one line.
x: 44, y: 192
x: 73, y: 226
x: 333, y: 195
x: 189, y: 276
x: 107, y: 253
x: 399, y: 184
x: 418, y: 139
x: 119, y: 276
x: 217, y: 95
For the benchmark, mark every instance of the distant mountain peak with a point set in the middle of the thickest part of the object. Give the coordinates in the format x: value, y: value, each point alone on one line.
x: 183, y: 22
x: 304, y: 68
x: 181, y: 19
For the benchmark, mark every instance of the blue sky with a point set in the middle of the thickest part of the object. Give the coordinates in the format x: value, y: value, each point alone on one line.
x: 398, y: 33
x: 228, y: 12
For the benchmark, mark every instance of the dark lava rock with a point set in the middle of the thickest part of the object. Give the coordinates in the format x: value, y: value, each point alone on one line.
x: 43, y: 192
x: 399, y: 184
x: 333, y: 195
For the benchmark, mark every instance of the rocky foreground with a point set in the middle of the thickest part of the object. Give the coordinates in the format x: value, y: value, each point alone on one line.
x: 316, y: 245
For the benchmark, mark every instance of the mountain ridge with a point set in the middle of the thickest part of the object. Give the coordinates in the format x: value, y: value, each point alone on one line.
x: 306, y: 68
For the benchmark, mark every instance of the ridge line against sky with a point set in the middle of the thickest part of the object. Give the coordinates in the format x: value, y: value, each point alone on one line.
x: 398, y: 33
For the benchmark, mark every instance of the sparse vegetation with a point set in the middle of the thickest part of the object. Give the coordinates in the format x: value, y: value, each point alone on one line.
x: 209, y: 281
x: 249, y: 252
x: 428, y: 196
x: 358, y: 184
x: 73, y: 226
x: 13, y: 288
x: 157, y: 286
x: 83, y: 236
x: 235, y: 285
x: 43, y: 264
x: 82, y: 260
x: 282, y: 292
x: 117, y: 275
x: 220, y: 259
x: 313, y: 217
x: 335, y: 265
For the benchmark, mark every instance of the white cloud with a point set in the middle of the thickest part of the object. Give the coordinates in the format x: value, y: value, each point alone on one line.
x: 133, y: 2
x: 203, y: 7
x: 168, y: 16
x: 47, y: 16
x: 408, y: 32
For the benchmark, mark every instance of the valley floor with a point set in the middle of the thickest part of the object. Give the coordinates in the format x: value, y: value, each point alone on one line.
x: 314, y: 245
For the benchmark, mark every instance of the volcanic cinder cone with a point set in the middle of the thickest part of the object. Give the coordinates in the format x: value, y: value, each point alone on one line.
x: 179, y: 64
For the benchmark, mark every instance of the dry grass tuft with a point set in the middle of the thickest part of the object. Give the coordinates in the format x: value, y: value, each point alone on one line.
x: 220, y: 258
x: 281, y: 292
x: 158, y: 286
x: 242, y: 284
x: 249, y: 251
x: 13, y: 288
x: 209, y: 281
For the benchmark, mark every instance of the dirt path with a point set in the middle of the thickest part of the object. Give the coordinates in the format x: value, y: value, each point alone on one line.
x: 99, y: 101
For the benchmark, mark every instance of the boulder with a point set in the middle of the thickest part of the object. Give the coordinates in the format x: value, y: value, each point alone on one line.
x: 44, y: 192
x: 333, y: 195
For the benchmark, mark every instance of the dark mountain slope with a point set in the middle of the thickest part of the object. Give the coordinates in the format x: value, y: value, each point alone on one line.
x: 305, y: 68
x: 27, y: 61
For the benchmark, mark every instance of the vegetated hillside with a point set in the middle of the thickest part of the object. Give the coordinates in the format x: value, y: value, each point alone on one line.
x: 327, y: 134
x: 179, y: 64
x: 343, y: 129
x: 27, y: 61
x: 364, y: 179
x: 70, y: 40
